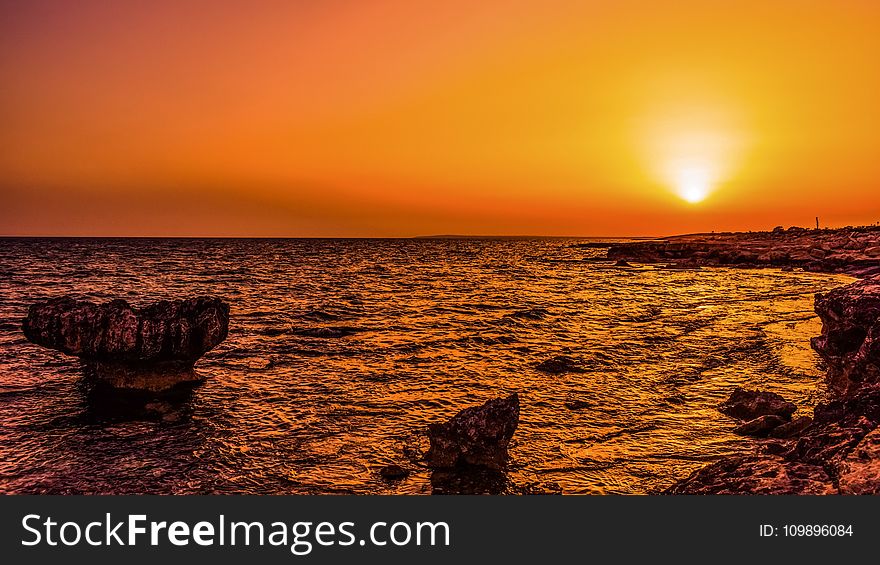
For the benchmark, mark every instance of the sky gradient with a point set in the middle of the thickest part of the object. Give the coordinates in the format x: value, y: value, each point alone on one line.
x: 402, y: 118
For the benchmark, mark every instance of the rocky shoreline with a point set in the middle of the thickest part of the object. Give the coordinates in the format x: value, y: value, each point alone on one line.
x: 838, y: 450
x: 854, y: 251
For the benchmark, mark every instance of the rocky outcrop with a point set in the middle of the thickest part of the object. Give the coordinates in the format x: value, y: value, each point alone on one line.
x: 476, y: 436
x: 847, y: 250
x: 750, y: 404
x: 850, y: 340
x: 150, y: 348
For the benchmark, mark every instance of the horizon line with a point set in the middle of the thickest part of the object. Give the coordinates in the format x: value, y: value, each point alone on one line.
x: 424, y: 236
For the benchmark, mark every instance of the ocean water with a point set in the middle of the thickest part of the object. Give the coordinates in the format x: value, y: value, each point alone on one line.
x: 434, y: 326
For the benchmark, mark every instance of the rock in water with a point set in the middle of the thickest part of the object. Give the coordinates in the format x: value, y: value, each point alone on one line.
x: 560, y: 364
x: 475, y: 436
x: 850, y: 340
x: 393, y: 472
x: 750, y: 404
x: 151, y: 348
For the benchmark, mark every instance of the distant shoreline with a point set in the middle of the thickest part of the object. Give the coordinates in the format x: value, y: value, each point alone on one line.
x: 853, y: 250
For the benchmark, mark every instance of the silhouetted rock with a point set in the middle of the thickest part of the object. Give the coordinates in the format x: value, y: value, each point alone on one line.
x: 560, y: 364
x: 476, y: 436
x: 622, y: 263
x: 750, y: 404
x: 850, y: 340
x: 150, y: 348
x: 760, y: 426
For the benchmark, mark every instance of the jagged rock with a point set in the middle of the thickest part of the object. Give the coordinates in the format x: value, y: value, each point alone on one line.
x: 791, y: 429
x: 150, y: 348
x: 560, y: 364
x: 750, y: 404
x: 827, y: 445
x: 476, y: 436
x: 859, y: 473
x: 850, y: 340
x: 760, y: 426
x: 758, y: 474
x: 850, y: 410
x: 622, y: 263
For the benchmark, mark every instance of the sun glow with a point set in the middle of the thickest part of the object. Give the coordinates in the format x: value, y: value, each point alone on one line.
x: 694, y: 184
x: 693, y: 144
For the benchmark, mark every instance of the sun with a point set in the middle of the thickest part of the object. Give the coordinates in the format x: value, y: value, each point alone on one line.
x: 693, y: 184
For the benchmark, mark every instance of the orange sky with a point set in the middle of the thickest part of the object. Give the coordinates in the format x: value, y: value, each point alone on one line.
x: 399, y: 118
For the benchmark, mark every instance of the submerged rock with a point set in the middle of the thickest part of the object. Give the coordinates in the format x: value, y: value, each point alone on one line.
x: 476, y: 436
x: 760, y: 426
x: 750, y: 404
x: 150, y: 348
x: 393, y: 472
x: 560, y: 364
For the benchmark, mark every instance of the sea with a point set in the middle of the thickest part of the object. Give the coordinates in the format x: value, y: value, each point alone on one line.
x: 341, y: 351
